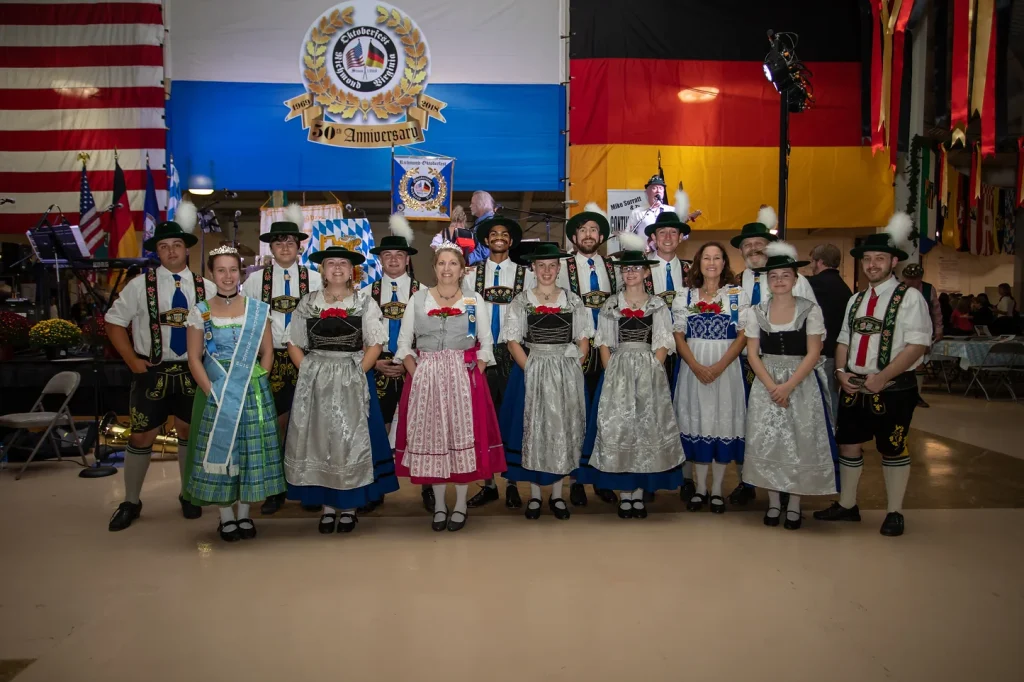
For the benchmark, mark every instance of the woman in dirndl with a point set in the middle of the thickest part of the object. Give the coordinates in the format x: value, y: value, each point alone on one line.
x: 710, y: 398
x: 543, y: 416
x: 790, y: 447
x: 235, y: 455
x: 632, y: 441
x: 337, y: 452
x: 447, y: 428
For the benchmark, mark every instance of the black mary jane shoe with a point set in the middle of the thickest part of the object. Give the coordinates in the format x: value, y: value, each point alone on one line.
x: 345, y: 526
x: 687, y: 490
x: 717, y: 504
x: 233, y: 535
x: 244, y: 532
x: 532, y: 509
x: 742, y: 494
x: 272, y: 505
x: 838, y: 512
x: 327, y: 522
x: 486, y: 495
x: 454, y: 525
x: 561, y: 511
x: 893, y: 525
x: 639, y: 509
x: 512, y: 498
x: 188, y: 510
x: 577, y: 495
x: 625, y: 512
x: 123, y: 517
x: 606, y: 495
x: 439, y: 525
x: 772, y: 521
x: 793, y: 524
x: 367, y: 508
x: 427, y: 494
x: 696, y: 502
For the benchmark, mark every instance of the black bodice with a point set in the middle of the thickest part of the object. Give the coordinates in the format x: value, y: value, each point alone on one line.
x: 636, y: 329
x: 553, y: 328
x: 335, y: 333
x: 785, y: 343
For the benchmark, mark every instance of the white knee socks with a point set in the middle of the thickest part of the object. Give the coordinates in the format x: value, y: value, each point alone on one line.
x: 534, y: 491
x: 896, y: 478
x: 701, y: 478
x: 556, y: 489
x: 227, y: 514
x: 717, y: 474
x: 774, y: 503
x: 439, y: 502
x: 329, y: 510
x: 849, y: 477
x: 243, y: 510
x: 136, y: 464
x: 793, y: 508
x: 460, y: 498
x: 638, y: 496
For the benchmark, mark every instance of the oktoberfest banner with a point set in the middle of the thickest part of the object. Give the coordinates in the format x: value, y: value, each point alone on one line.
x: 421, y: 187
x: 366, y: 62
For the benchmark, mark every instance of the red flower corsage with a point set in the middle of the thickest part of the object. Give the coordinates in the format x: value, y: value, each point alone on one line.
x: 629, y: 312
x: 333, y: 312
x: 444, y: 312
x: 548, y: 310
x: 701, y: 307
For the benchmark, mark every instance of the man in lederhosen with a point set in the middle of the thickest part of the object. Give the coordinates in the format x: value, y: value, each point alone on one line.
x: 498, y: 280
x: 752, y: 240
x: 885, y: 335
x: 282, y: 284
x: 593, y: 279
x: 156, y: 305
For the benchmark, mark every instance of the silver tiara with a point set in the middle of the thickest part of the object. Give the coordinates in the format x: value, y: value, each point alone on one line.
x: 224, y: 251
x: 449, y: 245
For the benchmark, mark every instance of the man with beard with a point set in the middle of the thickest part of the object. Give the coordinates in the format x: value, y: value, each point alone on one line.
x: 593, y: 279
x: 281, y: 285
x: 498, y: 280
x: 889, y: 329
x: 752, y: 241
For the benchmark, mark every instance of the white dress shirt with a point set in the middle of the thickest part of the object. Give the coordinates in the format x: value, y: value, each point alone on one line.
x: 506, y: 278
x: 913, y: 326
x: 253, y: 288
x: 583, y: 270
x: 802, y: 288
x: 659, y: 274
x: 131, y: 308
x: 404, y: 283
x: 641, y: 217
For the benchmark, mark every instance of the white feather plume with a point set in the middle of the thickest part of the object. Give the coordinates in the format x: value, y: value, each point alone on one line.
x: 293, y: 214
x: 682, y: 205
x: 630, y: 241
x: 400, y: 227
x: 186, y: 215
x: 780, y: 248
x: 767, y: 217
x: 899, y: 228
x: 592, y: 207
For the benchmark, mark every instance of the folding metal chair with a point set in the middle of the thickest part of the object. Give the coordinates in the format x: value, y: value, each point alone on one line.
x: 999, y: 362
x: 64, y: 383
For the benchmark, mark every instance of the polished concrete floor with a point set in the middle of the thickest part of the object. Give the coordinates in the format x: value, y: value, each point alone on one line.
x: 676, y: 596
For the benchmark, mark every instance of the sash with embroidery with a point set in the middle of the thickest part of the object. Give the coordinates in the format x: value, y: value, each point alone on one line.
x: 499, y: 295
x: 592, y: 299
x: 174, y: 317
x: 870, y: 325
x: 229, y: 386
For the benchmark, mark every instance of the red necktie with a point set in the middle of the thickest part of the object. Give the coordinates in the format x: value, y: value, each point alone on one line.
x: 862, y: 347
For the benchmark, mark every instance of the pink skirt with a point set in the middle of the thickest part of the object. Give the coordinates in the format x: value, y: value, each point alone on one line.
x: 447, y: 427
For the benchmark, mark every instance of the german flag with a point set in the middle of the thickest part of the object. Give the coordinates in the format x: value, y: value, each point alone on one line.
x: 374, y: 57
x: 686, y: 79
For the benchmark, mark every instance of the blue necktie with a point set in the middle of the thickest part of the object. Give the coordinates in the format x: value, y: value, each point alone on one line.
x: 669, y: 284
x: 595, y: 285
x: 394, y: 326
x: 287, y: 292
x: 755, y: 297
x: 495, y: 310
x: 179, y: 336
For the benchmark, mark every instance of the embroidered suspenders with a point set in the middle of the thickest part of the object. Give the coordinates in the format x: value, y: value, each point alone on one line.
x: 499, y: 295
x: 283, y: 304
x: 393, y: 310
x: 174, y: 318
x: 592, y: 299
x: 870, y: 325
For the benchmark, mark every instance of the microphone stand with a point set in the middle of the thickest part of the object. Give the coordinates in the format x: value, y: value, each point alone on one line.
x: 546, y: 218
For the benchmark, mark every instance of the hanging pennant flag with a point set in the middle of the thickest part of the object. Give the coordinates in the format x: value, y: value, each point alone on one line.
x: 983, y: 93
x: 901, y: 17
x: 943, y: 178
x: 1020, y: 172
x: 987, y: 221
x: 926, y: 202
x: 961, y: 65
x: 877, y: 135
x: 951, y: 222
x: 975, y: 187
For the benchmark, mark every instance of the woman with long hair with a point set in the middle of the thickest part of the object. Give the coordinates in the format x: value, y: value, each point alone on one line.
x: 447, y: 428
x: 337, y: 454
x: 710, y: 397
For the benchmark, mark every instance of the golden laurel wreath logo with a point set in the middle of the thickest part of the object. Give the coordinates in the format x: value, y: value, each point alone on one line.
x: 409, y: 201
x: 383, y: 105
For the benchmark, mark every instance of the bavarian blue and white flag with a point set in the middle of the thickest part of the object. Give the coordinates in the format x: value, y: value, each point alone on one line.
x: 173, y: 190
x: 353, y: 234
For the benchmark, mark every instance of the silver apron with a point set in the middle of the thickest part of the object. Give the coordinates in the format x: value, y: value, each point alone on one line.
x: 328, y: 441
x: 554, y: 415
x: 636, y: 423
x: 788, y: 448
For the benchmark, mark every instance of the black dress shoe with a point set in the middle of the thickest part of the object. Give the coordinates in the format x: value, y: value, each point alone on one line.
x: 312, y: 507
x: 772, y: 521
x: 838, y: 512
x: 273, y: 504
x: 559, y: 509
x: 791, y: 523
x: 578, y: 495
x: 696, y: 502
x: 229, y: 532
x: 893, y: 525
x: 366, y: 509
x: 687, y: 490
x: 486, y: 495
x: 188, y: 510
x: 454, y: 524
x: 921, y: 402
x: 246, y: 529
x: 742, y: 494
x: 123, y: 517
x: 326, y: 525
x: 512, y: 499
x: 625, y: 512
x: 639, y: 510
x: 346, y: 526
x: 606, y: 495
x: 438, y: 525
x: 717, y: 504
x: 533, y: 509
x: 428, y: 498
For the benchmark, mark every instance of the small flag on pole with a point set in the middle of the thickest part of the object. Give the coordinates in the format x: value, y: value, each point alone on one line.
x: 151, y: 210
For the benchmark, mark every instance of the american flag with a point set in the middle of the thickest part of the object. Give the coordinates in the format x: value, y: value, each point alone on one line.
x: 79, y: 76
x: 89, y: 219
x: 354, y: 58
